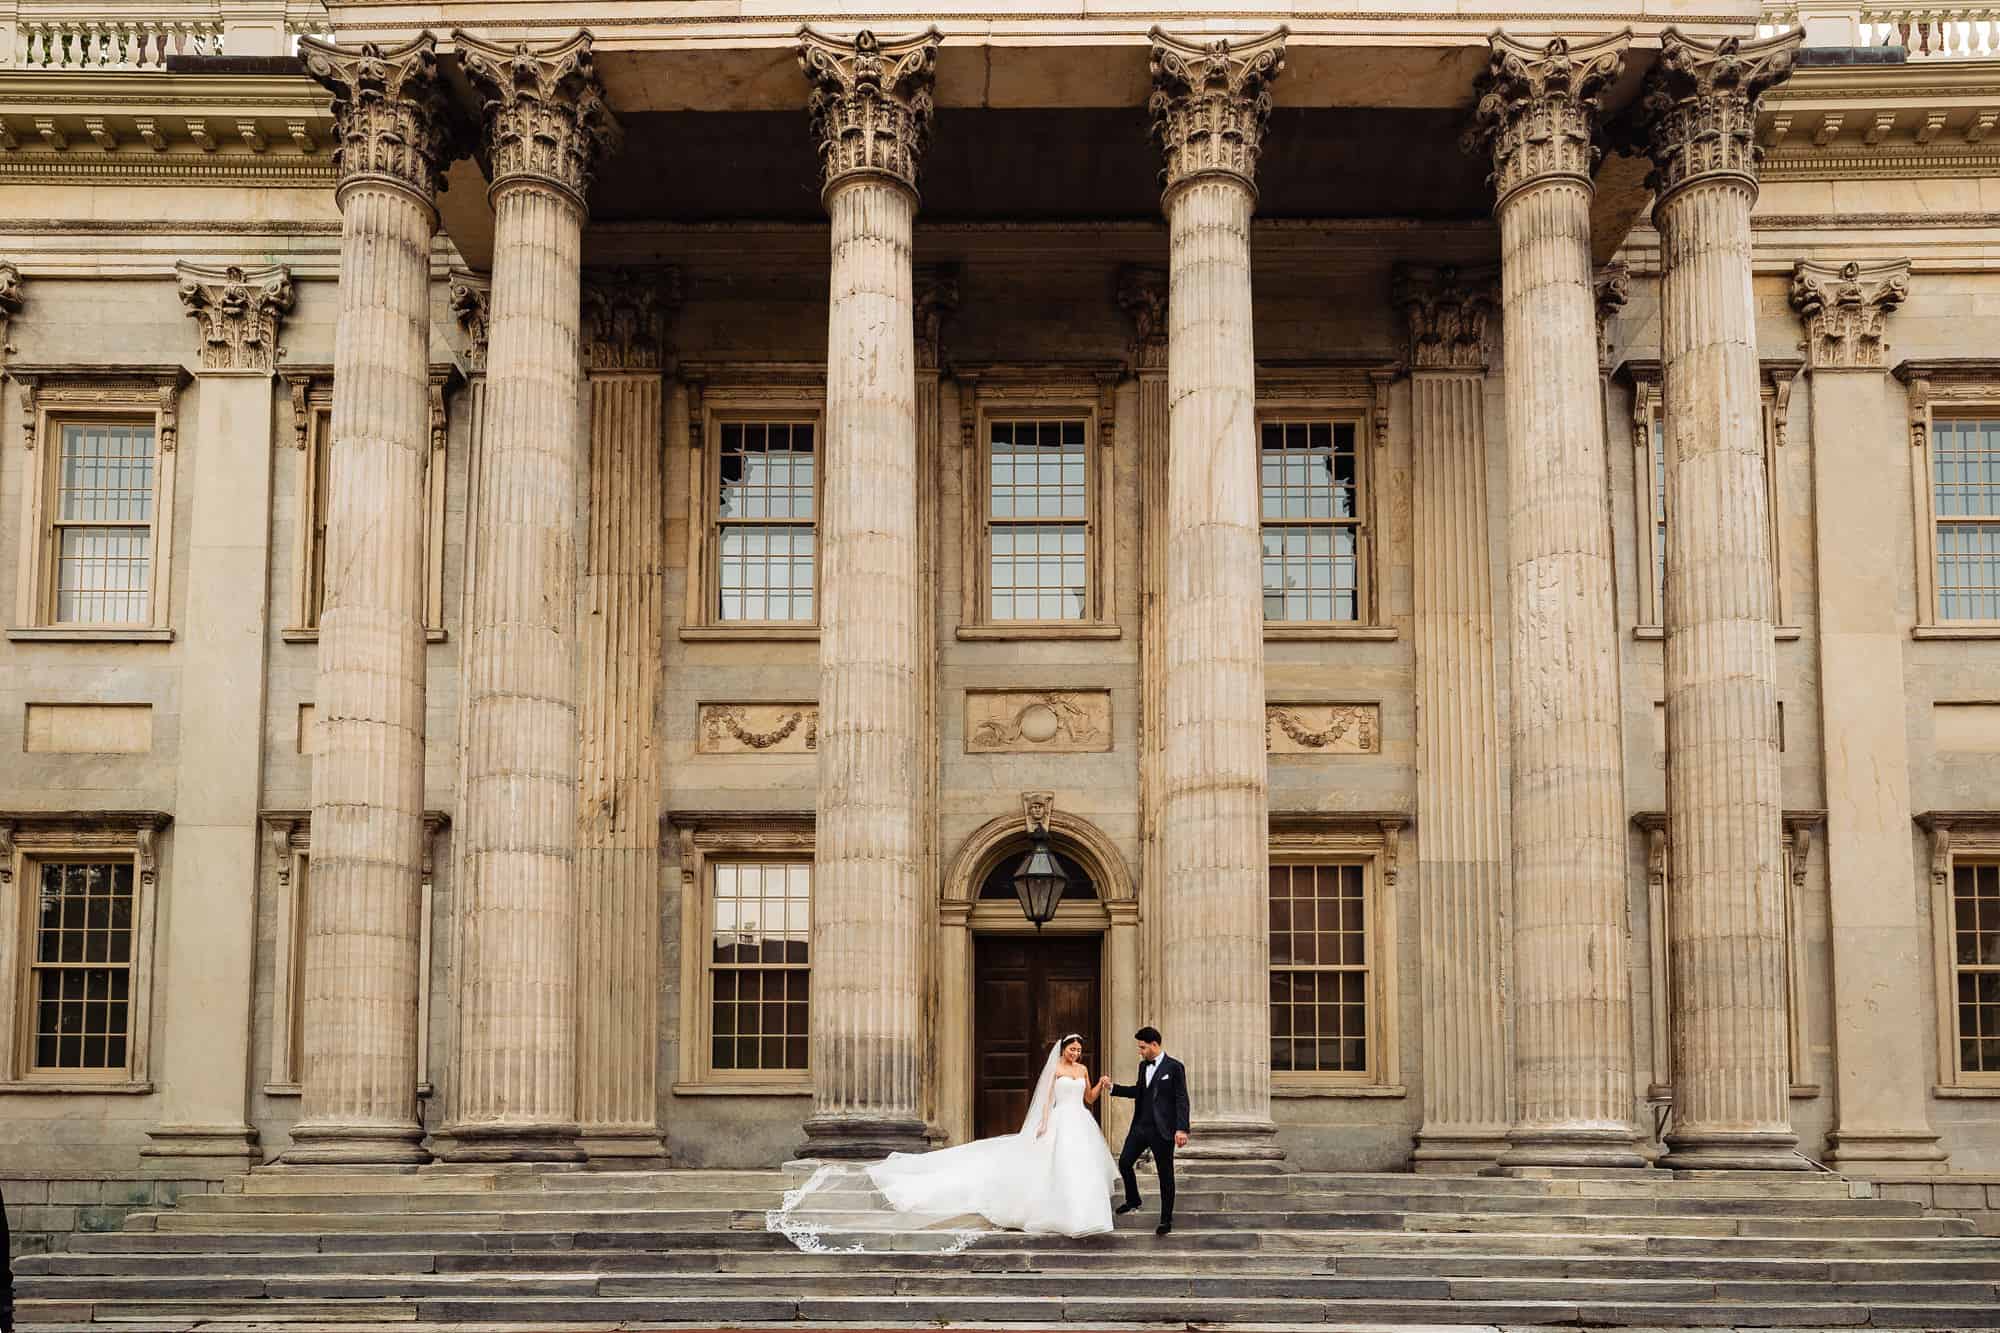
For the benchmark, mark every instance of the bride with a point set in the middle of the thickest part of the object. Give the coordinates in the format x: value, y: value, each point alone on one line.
x: 1054, y: 1177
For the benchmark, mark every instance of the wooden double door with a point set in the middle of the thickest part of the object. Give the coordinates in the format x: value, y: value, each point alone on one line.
x: 1029, y: 990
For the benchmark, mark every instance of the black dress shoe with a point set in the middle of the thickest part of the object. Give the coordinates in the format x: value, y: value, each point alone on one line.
x: 1125, y: 1208
x: 1163, y: 1228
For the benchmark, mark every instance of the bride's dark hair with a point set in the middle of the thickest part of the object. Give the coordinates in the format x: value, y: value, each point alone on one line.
x: 1076, y: 1037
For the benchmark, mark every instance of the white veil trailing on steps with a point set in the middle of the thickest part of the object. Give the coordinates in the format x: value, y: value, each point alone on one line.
x: 938, y: 1202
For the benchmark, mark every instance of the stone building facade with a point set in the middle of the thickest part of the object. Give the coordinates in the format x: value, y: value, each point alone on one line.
x: 559, y: 562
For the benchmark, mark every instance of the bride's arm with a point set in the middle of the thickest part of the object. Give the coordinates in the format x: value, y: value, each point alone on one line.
x: 1048, y: 1106
x: 1089, y: 1090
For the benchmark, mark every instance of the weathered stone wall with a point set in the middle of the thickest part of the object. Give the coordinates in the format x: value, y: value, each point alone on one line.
x: 46, y: 1208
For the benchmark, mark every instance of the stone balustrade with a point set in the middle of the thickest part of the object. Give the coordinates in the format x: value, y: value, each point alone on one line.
x: 124, y: 35
x: 1925, y: 32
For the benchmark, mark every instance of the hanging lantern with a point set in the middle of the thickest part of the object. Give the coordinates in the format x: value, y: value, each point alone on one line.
x: 1039, y: 880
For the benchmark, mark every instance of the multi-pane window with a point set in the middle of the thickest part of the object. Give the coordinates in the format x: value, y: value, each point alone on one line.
x: 103, y: 524
x: 765, y: 511
x: 1312, y: 506
x: 1320, y: 974
x: 1038, y: 530
x: 1965, y: 491
x: 1975, y: 964
x: 80, y: 973
x: 759, y: 966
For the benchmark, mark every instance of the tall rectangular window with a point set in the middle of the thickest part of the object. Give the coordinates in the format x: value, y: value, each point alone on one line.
x: 1320, y: 969
x: 1975, y: 964
x: 765, y: 511
x: 103, y: 524
x: 80, y: 977
x: 760, y: 966
x: 1965, y: 489
x: 1038, y: 529
x: 1310, y: 472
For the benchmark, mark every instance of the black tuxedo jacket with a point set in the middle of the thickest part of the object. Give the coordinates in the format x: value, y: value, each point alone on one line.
x: 1163, y: 1103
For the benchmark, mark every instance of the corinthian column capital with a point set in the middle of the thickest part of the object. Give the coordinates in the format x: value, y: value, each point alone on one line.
x: 1142, y: 295
x: 625, y: 314
x: 1538, y: 108
x: 547, y: 122
x: 1845, y: 310
x: 1210, y: 104
x: 1698, y: 114
x: 936, y: 289
x: 393, y: 121
x: 871, y: 103
x: 1447, y: 312
x: 238, y: 312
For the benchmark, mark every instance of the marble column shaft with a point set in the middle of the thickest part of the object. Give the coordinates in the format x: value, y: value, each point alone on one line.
x: 361, y: 973
x: 1726, y: 911
x: 1215, y: 799
x: 870, y: 110
x: 516, y: 1052
x: 1462, y: 856
x: 1571, y: 995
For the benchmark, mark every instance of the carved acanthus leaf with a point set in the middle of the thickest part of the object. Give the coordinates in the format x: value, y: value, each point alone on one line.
x: 1142, y: 295
x: 1538, y: 108
x: 237, y: 311
x: 1698, y: 115
x: 625, y: 316
x: 1211, y: 103
x: 1846, y: 310
x: 471, y: 302
x: 937, y: 296
x: 546, y: 120
x: 393, y: 120
x: 871, y: 103
x: 1447, y: 313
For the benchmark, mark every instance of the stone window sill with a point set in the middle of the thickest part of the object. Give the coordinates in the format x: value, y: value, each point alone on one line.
x: 1962, y: 1090
x: 1658, y: 633
x: 312, y: 635
x: 1032, y: 631
x: 742, y: 1089
x: 1330, y: 633
x: 749, y: 633
x: 283, y: 1089
x: 87, y: 634
x: 1306, y: 1088
x: 75, y: 1087
x: 1955, y: 632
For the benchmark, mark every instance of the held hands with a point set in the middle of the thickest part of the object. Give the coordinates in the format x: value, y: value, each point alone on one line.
x: 1180, y: 1138
x: 1104, y: 1085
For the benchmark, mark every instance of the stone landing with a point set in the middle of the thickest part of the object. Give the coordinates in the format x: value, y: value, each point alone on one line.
x: 553, y: 1248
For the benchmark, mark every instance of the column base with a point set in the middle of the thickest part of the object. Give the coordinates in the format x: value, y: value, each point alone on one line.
x: 1722, y: 1150
x: 1890, y: 1151
x: 1593, y: 1148
x: 501, y: 1142
x: 1220, y: 1142
x: 624, y: 1148
x: 334, y: 1144
x: 861, y: 1138
x: 1442, y: 1153
x: 175, y: 1149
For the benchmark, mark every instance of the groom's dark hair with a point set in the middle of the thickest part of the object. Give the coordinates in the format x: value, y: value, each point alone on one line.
x: 1149, y: 1033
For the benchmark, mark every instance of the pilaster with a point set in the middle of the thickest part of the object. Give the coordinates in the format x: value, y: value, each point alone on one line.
x: 1881, y: 1075
x: 1537, y: 116
x: 870, y: 117
x: 1726, y: 907
x: 546, y: 129
x: 1462, y: 879
x: 394, y: 135
x: 1209, y: 108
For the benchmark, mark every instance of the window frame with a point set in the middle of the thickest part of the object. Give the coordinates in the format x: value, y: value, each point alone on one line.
x: 1944, y: 389
x: 1340, y: 392
x: 743, y: 392
x: 706, y: 839
x: 1955, y: 835
x: 311, y: 394
x: 26, y: 841
x: 52, y: 397
x: 1775, y: 378
x: 1010, y: 392
x: 288, y: 848
x: 1795, y: 841
x: 1371, y: 840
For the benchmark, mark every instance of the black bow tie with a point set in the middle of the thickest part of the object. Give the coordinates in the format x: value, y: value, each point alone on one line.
x: 1145, y: 1064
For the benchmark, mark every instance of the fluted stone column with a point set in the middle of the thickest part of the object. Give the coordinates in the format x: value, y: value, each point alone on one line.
x: 1210, y: 105
x: 618, y: 854
x: 871, y: 112
x: 362, y: 930
x: 1726, y: 924
x: 546, y: 127
x: 1462, y: 875
x: 1537, y: 116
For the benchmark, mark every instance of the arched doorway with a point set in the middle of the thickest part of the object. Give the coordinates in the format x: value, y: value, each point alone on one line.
x: 1006, y: 990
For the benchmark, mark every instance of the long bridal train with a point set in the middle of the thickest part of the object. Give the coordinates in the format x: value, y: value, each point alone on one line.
x: 1054, y: 1182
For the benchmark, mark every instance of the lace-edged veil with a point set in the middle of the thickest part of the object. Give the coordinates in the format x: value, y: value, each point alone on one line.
x: 841, y: 1209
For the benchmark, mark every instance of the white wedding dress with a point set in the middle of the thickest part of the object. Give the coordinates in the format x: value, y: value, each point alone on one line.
x: 1053, y: 1181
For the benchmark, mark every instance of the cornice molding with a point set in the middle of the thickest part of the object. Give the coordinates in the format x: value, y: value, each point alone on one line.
x: 1211, y: 103
x: 871, y: 103
x: 238, y: 170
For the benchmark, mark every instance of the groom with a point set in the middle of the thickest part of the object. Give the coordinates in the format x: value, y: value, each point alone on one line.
x: 1159, y: 1122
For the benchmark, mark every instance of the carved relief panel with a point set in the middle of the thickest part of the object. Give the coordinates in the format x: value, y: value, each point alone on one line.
x: 757, y: 729
x: 1322, y: 729
x: 1037, y: 721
